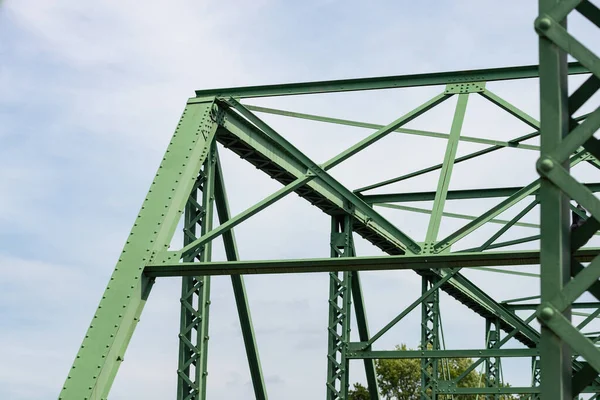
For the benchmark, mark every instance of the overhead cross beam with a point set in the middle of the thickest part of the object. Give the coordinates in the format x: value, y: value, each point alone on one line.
x: 462, y: 194
x: 415, y: 262
x: 386, y: 82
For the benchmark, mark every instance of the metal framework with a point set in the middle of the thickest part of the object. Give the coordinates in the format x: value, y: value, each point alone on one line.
x: 189, y: 184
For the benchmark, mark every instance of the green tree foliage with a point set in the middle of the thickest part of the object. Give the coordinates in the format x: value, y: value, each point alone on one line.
x: 400, y: 379
x: 359, y: 393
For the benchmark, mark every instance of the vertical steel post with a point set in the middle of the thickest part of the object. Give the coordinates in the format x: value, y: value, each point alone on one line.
x: 430, y: 340
x: 492, y: 364
x: 555, y: 247
x: 195, y: 291
x: 536, y: 377
x: 340, y: 294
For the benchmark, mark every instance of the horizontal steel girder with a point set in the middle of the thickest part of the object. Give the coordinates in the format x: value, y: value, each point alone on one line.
x: 528, y: 306
x: 412, y: 262
x: 386, y: 82
x: 461, y: 353
x: 454, y: 194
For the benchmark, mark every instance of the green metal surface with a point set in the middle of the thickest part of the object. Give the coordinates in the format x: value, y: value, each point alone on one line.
x: 500, y: 144
x: 430, y: 339
x: 560, y: 133
x: 386, y: 82
x: 497, y: 146
x: 239, y: 288
x: 363, y: 334
x: 104, y: 345
x: 408, y: 309
x: 190, y: 183
x: 340, y: 303
x: 195, y: 290
x: 459, y: 216
x: 416, y: 263
x: 462, y: 353
x: 493, y: 364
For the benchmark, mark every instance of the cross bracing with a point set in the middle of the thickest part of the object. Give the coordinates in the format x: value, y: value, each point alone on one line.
x: 190, y: 184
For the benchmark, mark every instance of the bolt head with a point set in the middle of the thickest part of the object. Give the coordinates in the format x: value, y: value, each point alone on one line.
x: 545, y: 165
x: 543, y: 23
x: 546, y: 313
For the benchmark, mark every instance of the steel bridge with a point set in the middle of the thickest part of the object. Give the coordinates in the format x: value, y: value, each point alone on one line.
x: 190, y: 184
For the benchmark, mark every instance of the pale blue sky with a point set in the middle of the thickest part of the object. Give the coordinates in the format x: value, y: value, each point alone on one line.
x: 89, y: 95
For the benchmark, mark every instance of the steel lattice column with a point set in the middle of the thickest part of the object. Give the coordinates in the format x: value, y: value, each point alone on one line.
x: 493, y: 367
x: 535, y: 377
x: 195, y: 291
x: 340, y: 290
x: 430, y: 312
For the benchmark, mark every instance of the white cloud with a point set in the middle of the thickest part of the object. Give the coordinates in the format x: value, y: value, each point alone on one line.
x: 91, y: 95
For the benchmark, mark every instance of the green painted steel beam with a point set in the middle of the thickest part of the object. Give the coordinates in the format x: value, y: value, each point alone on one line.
x: 570, y: 335
x: 386, y: 130
x: 106, y: 340
x: 430, y: 338
x: 412, y: 262
x: 333, y: 190
x: 556, y: 370
x: 497, y: 345
x: 505, y: 271
x: 508, y: 225
x: 482, y: 299
x: 455, y: 215
x: 430, y: 308
x: 243, y: 132
x: 511, y: 109
x: 533, y: 306
x: 454, y: 194
x: 446, y: 173
x: 192, y: 368
x: 489, y: 390
x: 511, y: 143
x: 355, y: 353
x: 363, y: 333
x: 264, y: 160
x: 407, y: 310
x: 493, y: 365
x: 385, y: 82
x: 368, y: 125
x: 589, y: 319
x: 499, y: 208
x: 520, y: 299
x: 351, y: 199
x: 514, y: 242
x: 239, y: 288
x: 238, y: 219
x: 339, y: 307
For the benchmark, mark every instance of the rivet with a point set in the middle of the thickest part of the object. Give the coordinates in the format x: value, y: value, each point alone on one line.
x: 543, y: 23
x: 545, y: 165
x: 546, y: 313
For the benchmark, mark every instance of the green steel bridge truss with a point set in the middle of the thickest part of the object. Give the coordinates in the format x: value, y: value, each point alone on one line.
x: 189, y: 184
